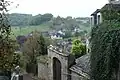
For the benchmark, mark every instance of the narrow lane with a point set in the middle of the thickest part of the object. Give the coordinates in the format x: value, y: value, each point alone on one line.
x: 27, y: 77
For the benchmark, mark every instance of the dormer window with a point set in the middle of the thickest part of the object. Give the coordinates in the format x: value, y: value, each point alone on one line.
x: 99, y: 20
x: 96, y: 17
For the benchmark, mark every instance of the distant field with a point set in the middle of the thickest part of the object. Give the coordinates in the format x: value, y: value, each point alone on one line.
x: 27, y: 29
x: 43, y: 27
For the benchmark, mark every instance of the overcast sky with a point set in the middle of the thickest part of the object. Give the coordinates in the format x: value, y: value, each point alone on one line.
x: 74, y: 8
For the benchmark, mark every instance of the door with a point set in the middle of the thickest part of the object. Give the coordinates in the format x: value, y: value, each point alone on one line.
x: 56, y: 69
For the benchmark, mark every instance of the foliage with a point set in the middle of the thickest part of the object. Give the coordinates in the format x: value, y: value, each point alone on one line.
x: 77, y: 34
x: 67, y: 34
x: 42, y: 46
x: 21, y: 39
x: 105, y: 50
x: 43, y: 59
x: 46, y: 17
x: 110, y: 13
x: 8, y: 59
x: 34, y: 46
x: 78, y: 49
x: 17, y: 19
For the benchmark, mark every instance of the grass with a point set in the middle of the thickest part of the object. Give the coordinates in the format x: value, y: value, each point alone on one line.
x: 27, y: 29
x: 43, y: 27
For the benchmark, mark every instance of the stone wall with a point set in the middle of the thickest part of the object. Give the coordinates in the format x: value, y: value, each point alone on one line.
x: 75, y: 76
x: 65, y: 59
x: 43, y: 67
x: 43, y: 71
x: 64, y: 64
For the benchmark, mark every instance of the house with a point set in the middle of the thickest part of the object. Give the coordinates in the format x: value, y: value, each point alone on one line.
x: 57, y: 34
x: 61, y: 32
x: 77, y: 29
x: 96, y: 17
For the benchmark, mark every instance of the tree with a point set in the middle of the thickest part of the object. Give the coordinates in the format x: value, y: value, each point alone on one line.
x: 8, y: 60
x: 39, y: 19
x: 77, y: 34
x: 21, y: 39
x: 17, y: 19
x: 68, y: 34
x: 78, y: 49
x: 42, y: 46
x: 34, y: 46
x: 36, y: 20
x: 46, y: 17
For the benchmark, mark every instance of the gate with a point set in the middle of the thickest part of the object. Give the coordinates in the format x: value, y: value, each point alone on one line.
x: 56, y: 69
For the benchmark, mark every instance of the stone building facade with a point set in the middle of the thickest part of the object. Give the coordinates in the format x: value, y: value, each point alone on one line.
x: 96, y: 17
x: 43, y: 67
x: 59, y: 64
x: 64, y: 66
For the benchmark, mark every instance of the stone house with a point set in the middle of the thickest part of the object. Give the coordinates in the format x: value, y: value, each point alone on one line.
x: 96, y: 17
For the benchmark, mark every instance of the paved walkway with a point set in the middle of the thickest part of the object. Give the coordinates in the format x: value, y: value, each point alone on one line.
x: 27, y: 77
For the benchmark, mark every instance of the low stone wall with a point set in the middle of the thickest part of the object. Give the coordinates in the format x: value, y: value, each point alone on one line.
x: 42, y: 71
x: 43, y: 68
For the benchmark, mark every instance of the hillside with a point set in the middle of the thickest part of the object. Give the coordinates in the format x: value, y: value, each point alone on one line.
x: 23, y: 24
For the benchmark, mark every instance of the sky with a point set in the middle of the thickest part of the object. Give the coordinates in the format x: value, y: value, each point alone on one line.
x: 64, y: 8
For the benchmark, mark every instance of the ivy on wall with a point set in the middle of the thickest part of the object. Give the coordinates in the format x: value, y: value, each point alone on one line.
x: 105, y: 46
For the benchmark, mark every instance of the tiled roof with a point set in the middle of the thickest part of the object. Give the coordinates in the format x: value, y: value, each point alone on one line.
x: 94, y: 13
x: 113, y: 6
x: 107, y: 6
x: 82, y: 66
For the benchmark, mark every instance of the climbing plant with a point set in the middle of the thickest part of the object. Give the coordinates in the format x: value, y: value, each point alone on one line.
x: 105, y: 46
